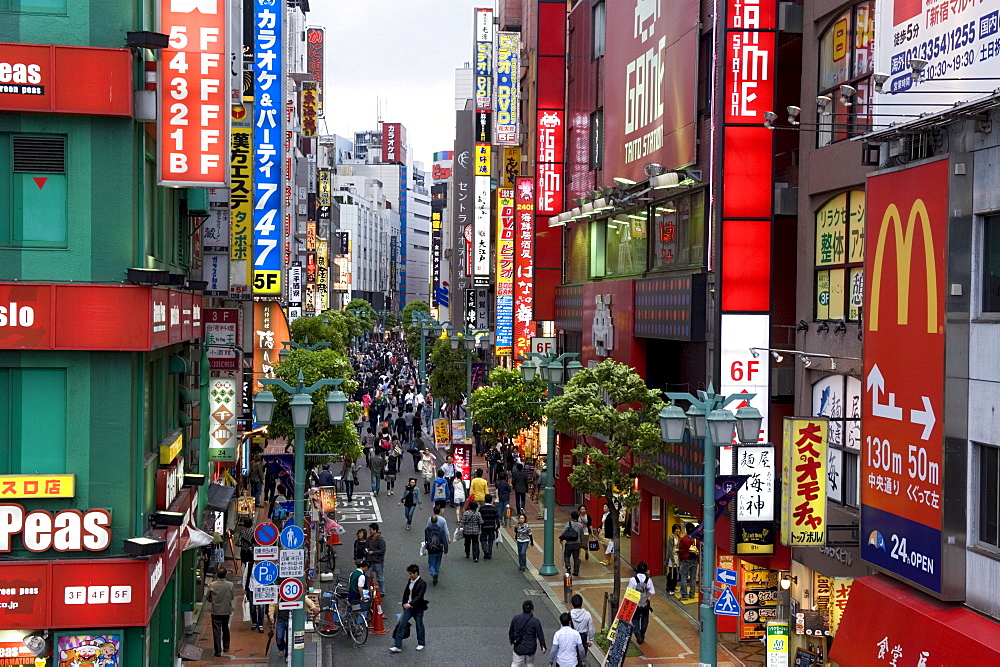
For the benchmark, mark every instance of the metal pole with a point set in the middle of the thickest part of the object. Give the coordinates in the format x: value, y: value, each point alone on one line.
x: 423, y: 359
x: 299, y: 615
x: 709, y: 637
x: 548, y: 555
x: 468, y: 394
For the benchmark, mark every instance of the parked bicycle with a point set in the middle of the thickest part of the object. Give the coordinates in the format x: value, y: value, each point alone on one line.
x: 337, y: 614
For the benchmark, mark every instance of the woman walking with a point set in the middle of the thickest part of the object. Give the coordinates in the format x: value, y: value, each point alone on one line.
x: 458, y: 495
x: 391, y: 467
x: 411, y: 499
x: 427, y: 469
x: 522, y: 533
x: 471, y: 524
x: 349, y: 475
x: 361, y: 546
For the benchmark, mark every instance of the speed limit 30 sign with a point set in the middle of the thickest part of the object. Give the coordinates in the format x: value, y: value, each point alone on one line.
x: 291, y: 590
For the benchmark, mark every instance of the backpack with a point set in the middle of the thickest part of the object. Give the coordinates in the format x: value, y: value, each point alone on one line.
x: 570, y: 535
x: 643, y: 593
x: 385, y: 444
x: 434, y: 545
x: 440, y: 491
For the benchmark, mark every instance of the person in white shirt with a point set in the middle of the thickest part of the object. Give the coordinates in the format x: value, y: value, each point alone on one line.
x: 567, y: 647
x: 643, y: 583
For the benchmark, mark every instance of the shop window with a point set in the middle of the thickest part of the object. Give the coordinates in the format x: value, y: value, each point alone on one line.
x: 33, y: 191
x: 846, y: 51
x: 990, y: 302
x: 678, y: 228
x: 839, y: 257
x: 626, y: 243
x: 29, y: 444
x: 988, y: 496
x: 33, y: 6
x: 596, y: 140
x: 576, y: 253
x: 838, y: 397
x: 600, y: 28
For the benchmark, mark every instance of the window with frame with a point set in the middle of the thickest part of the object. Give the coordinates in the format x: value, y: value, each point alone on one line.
x: 33, y: 6
x: 33, y: 191
x: 596, y: 139
x: 838, y: 397
x: 625, y: 238
x: 600, y: 28
x: 846, y: 57
x: 678, y: 229
x: 839, y: 257
x: 987, y: 467
x: 990, y: 275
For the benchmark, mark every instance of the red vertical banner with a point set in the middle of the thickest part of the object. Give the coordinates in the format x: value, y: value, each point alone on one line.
x: 524, y: 266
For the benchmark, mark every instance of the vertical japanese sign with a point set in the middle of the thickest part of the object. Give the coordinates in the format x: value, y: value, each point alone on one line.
x: 322, y: 275
x: 268, y: 134
x: 193, y: 126
x: 505, y: 273
x: 755, y: 501
x: 393, y: 143
x: 803, y: 482
x: 549, y: 163
x: 481, y: 232
x: 315, y: 42
x: 309, y: 108
x: 524, y: 258
x: 507, y: 87
x: 840, y: 594
x: 240, y: 202
x: 270, y: 329
x: 403, y: 200
x: 435, y: 252
x: 483, y: 75
x: 222, y: 337
x: 902, y: 469
x: 222, y: 394
x: 511, y: 166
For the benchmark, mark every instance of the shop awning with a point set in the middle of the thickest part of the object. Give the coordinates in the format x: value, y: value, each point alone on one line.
x: 885, y: 617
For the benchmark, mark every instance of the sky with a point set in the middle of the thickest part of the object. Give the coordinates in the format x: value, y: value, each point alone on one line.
x: 397, y: 55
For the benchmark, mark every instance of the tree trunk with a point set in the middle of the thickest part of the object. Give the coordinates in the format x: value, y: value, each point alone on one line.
x: 614, y: 508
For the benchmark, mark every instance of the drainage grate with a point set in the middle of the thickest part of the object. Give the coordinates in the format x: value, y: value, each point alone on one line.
x: 535, y: 592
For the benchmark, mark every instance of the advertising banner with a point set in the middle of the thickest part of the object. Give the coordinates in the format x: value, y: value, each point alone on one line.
x: 481, y: 229
x: 270, y: 330
x: 215, y: 271
x: 507, y: 89
x: 755, y: 500
x: 741, y: 371
x: 504, y: 273
x: 902, y: 469
x: 803, y: 482
x: 38, y: 486
x: 315, y: 42
x: 442, y: 433
x: 193, y: 121
x: 240, y: 199
x: 956, y: 40
x: 295, y: 284
x: 222, y: 337
x: 222, y: 394
x: 483, y: 75
x: 511, y: 169
x: 268, y: 139
x: 44, y: 78
x: 549, y: 165
x: 524, y: 284
x: 463, y: 206
x: 322, y: 275
x: 393, y: 143
x: 651, y: 73
x: 435, y: 253
x: 309, y: 108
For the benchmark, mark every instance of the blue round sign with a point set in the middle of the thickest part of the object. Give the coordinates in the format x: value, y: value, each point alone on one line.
x: 265, y: 572
x: 266, y: 534
x: 292, y: 537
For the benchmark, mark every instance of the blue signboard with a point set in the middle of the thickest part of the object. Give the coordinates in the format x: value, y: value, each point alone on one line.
x: 899, y: 545
x: 727, y: 604
x: 402, y: 235
x: 268, y: 146
x: 265, y: 572
x: 725, y: 576
x: 292, y: 537
x: 506, y: 89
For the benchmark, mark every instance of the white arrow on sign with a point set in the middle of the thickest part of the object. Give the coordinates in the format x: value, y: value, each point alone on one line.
x: 889, y: 410
x: 925, y: 417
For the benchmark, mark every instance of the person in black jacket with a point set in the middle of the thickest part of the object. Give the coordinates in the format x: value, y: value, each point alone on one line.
x: 491, y: 524
x: 414, y: 606
x: 519, y: 481
x: 526, y: 635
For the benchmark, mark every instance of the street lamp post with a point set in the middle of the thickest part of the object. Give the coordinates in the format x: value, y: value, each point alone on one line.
x: 551, y: 369
x: 468, y: 339
x: 301, y: 409
x: 708, y: 419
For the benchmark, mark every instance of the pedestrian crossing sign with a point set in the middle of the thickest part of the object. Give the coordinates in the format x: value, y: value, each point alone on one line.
x: 727, y: 605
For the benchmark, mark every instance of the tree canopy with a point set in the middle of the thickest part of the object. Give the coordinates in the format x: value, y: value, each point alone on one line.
x: 321, y: 436
x: 617, y: 416
x: 448, y: 379
x: 321, y: 329
x: 411, y: 328
x: 364, y: 313
x: 507, y: 405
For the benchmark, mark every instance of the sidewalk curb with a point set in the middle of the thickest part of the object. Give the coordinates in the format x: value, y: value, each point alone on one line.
x: 558, y: 606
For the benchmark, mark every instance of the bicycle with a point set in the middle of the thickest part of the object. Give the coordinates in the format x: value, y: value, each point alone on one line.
x: 336, y: 614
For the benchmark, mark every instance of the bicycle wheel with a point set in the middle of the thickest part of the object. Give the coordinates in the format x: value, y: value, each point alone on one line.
x: 326, y: 623
x: 358, y: 628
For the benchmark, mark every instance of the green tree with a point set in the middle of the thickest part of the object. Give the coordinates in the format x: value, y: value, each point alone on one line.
x: 321, y: 436
x: 363, y: 311
x: 507, y: 405
x: 617, y: 417
x: 390, y: 321
x: 447, y: 380
x: 321, y: 329
x: 411, y: 328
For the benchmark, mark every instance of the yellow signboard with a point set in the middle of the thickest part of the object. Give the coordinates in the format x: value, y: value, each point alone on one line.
x: 625, y: 610
x: 803, y: 482
x: 170, y: 451
x: 37, y: 486
x: 442, y: 433
x: 482, y: 167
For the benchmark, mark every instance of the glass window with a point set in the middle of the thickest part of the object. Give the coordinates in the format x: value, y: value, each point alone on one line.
x: 678, y: 227
x: 846, y: 51
x: 838, y: 397
x: 597, y: 234
x: 988, y: 496
x: 600, y: 27
x: 626, y: 244
x: 991, y: 265
x: 839, y: 255
x: 34, y: 6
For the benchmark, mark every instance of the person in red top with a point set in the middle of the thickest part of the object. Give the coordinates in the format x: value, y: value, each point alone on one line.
x: 687, y: 554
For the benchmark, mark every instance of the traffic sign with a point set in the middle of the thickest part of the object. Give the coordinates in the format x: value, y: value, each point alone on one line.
x: 290, y: 590
x: 292, y: 537
x: 292, y: 562
x: 265, y: 594
x: 266, y: 553
x: 265, y: 572
x: 266, y: 534
x: 725, y: 576
x: 297, y: 604
x: 727, y: 604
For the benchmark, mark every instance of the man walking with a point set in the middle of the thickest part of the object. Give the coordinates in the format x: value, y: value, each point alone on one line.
x: 491, y: 524
x: 376, y: 555
x: 567, y: 646
x: 687, y: 554
x: 519, y: 482
x: 436, y: 543
x: 525, y: 635
x: 478, y: 488
x: 570, y: 538
x: 326, y: 477
x: 377, y: 465
x: 503, y: 497
x: 220, y: 597
x: 471, y: 524
x: 414, y: 606
x: 448, y: 469
x: 644, y: 584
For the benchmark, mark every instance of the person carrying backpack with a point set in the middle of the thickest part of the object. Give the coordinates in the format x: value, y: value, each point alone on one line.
x: 643, y: 583
x: 436, y: 543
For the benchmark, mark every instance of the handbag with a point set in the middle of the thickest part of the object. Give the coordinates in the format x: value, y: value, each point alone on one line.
x: 594, y: 545
x: 458, y: 533
x: 406, y: 630
x: 423, y: 548
x: 570, y: 535
x: 246, y: 609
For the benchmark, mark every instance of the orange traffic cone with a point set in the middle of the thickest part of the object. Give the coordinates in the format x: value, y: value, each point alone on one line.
x: 378, y: 616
